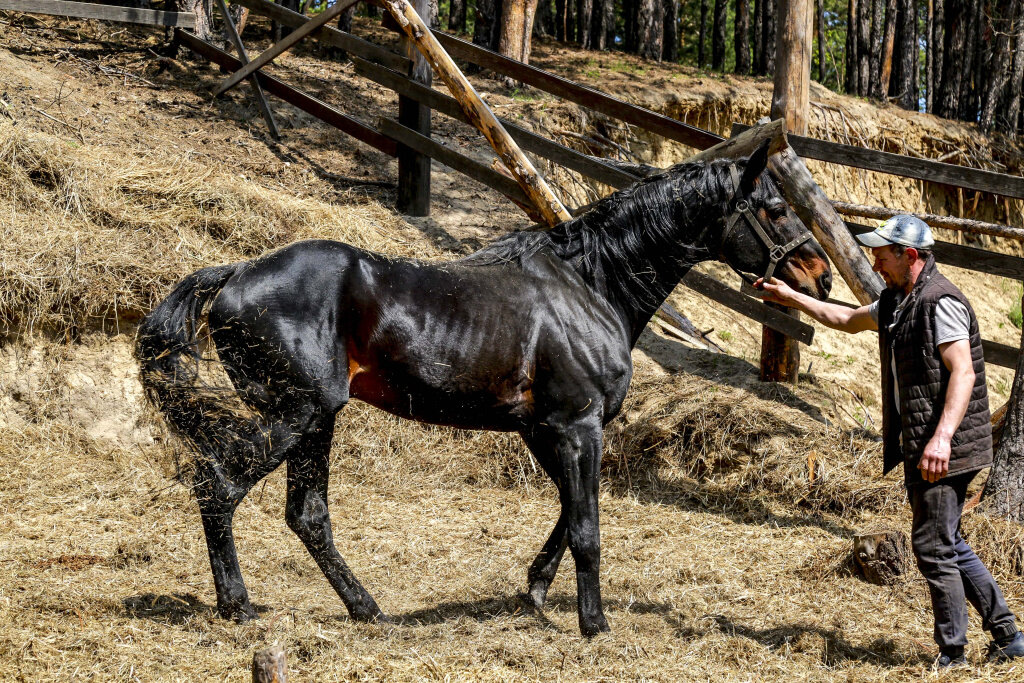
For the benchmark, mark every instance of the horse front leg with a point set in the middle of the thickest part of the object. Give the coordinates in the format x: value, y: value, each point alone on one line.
x: 307, y: 515
x: 574, y: 454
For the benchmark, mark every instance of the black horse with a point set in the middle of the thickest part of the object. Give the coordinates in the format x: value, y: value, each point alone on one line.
x: 531, y: 334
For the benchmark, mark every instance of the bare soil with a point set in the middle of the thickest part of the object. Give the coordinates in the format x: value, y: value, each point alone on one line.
x: 721, y: 560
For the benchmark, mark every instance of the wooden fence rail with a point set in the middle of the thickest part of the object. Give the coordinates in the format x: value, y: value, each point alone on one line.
x: 90, y: 10
x: 372, y: 64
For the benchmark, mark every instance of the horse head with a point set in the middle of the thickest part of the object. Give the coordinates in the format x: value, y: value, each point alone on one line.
x: 762, y: 236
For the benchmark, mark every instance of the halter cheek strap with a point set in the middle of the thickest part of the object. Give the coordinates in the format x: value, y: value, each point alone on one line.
x: 741, y: 210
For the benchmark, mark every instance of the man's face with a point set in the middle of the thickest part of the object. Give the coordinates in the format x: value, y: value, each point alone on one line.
x: 894, y: 269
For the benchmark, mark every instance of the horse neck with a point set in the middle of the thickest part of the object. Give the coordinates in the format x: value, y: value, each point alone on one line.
x: 635, y: 246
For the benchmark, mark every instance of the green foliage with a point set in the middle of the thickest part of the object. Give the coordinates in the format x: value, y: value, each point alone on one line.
x: 725, y: 335
x: 1014, y: 314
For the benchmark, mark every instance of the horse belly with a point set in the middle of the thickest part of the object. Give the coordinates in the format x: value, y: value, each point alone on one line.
x: 500, y: 405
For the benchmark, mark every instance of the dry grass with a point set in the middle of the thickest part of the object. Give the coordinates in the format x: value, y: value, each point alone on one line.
x: 89, y: 236
x: 722, y: 560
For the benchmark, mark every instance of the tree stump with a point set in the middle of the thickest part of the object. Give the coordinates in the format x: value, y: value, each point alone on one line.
x: 269, y: 666
x: 882, y: 557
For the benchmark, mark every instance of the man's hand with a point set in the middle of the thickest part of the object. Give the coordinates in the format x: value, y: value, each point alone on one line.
x: 775, y: 291
x: 935, y: 461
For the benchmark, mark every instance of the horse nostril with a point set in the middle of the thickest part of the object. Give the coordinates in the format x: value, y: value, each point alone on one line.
x: 825, y: 281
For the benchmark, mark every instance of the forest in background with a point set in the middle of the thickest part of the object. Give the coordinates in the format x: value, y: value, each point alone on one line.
x: 958, y: 59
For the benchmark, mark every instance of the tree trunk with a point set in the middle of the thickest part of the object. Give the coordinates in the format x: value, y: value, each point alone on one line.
x: 702, y: 33
x: 741, y: 37
x: 882, y: 558
x: 718, y: 36
x: 203, y: 9
x: 650, y: 23
x: 947, y: 103
x: 999, y: 65
x: 929, y: 57
x: 516, y: 28
x: 757, y: 61
x: 485, y: 31
x: 770, y: 13
x: 457, y: 16
x: 819, y: 36
x: 345, y: 19
x: 906, y: 70
x: 670, y: 33
x: 875, y: 57
x: 888, y: 38
x: 1004, y: 490
x: 1007, y: 122
x: 852, y: 60
x: 584, y: 16
x: 864, y: 47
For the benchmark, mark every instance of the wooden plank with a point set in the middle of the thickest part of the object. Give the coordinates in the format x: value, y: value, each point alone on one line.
x: 748, y: 306
x: 306, y: 103
x: 591, y: 167
x: 897, y: 164
x: 329, y: 36
x: 481, y: 116
x: 999, y: 354
x: 89, y: 10
x: 460, y: 162
x: 284, y: 45
x: 969, y: 258
x: 243, y: 57
x: 414, y: 168
x: 569, y: 90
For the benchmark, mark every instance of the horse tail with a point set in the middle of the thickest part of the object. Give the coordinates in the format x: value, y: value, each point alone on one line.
x: 168, y: 350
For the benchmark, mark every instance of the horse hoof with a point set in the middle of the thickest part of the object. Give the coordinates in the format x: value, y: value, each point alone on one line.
x: 592, y: 627
x: 537, y: 596
x: 239, y: 614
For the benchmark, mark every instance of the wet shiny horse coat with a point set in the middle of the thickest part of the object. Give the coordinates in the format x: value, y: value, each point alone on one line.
x: 532, y: 334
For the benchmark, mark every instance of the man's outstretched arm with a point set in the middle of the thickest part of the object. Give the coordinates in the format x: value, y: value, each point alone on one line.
x: 839, y: 317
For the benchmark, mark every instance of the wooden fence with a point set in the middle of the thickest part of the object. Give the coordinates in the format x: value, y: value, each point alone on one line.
x: 387, y: 135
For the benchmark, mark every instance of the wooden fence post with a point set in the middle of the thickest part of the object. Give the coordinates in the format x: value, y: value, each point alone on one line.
x: 413, y: 167
x: 780, y: 355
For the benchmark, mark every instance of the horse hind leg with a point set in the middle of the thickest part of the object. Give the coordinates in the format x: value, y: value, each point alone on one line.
x: 307, y: 515
x: 225, y: 471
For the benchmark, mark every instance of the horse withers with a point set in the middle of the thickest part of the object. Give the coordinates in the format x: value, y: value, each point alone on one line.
x: 531, y: 334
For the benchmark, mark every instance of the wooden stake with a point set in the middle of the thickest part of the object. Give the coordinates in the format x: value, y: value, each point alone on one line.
x: 286, y: 44
x: 478, y: 113
x: 269, y: 666
x: 261, y: 100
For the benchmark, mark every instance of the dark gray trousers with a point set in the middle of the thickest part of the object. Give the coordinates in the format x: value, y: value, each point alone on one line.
x: 954, y: 573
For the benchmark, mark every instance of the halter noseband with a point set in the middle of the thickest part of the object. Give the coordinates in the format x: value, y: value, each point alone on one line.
x: 776, y: 252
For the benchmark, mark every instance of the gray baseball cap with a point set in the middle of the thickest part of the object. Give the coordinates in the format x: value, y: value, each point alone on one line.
x: 910, y: 231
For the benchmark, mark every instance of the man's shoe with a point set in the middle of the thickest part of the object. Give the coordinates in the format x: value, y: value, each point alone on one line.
x: 950, y: 660
x: 1006, y: 650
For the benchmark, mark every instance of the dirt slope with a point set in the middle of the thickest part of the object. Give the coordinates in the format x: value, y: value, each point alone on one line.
x: 118, y: 175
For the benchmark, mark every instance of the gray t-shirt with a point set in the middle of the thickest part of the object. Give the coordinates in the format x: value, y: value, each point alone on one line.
x: 952, y: 323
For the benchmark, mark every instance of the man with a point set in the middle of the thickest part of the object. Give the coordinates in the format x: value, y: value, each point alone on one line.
x: 935, y: 421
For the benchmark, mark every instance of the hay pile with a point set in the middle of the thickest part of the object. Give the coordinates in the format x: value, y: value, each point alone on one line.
x: 727, y: 507
x: 91, y: 237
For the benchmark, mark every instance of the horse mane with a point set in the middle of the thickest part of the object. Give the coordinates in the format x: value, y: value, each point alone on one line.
x: 625, y: 239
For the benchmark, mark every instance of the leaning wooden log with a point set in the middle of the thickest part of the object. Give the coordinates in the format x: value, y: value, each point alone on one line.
x: 270, y: 666
x: 478, y: 113
x: 815, y: 210
x: 947, y: 222
x: 883, y: 557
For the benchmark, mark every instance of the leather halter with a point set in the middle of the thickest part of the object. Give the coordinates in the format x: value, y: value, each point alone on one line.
x: 776, y: 252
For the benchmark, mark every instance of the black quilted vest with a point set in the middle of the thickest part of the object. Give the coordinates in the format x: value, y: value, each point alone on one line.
x: 923, y: 379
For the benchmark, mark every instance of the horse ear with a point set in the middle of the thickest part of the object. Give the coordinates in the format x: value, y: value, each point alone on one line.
x: 755, y: 167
